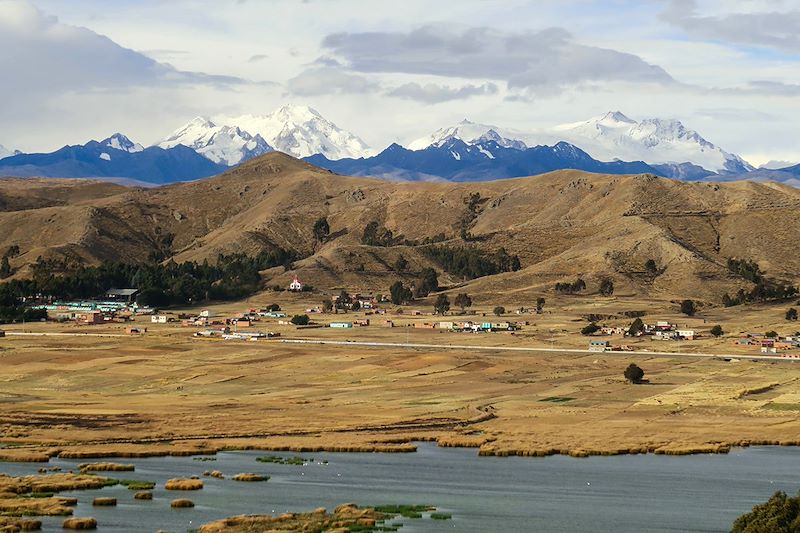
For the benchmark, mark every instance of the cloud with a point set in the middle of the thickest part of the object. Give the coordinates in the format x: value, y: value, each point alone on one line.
x: 43, y: 57
x: 432, y: 93
x: 528, y: 61
x: 328, y: 80
x: 772, y: 29
x: 257, y: 57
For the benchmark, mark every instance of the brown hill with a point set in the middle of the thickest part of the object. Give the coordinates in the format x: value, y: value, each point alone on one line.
x: 562, y: 225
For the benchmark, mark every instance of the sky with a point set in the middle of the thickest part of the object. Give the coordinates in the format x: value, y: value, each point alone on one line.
x: 394, y: 71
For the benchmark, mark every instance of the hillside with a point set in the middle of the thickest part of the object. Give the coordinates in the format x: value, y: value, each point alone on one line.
x: 562, y: 225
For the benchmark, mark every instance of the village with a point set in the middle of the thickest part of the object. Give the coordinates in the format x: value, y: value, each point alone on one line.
x: 345, y: 312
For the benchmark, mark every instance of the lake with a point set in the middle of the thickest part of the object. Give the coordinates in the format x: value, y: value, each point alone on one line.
x: 621, y: 494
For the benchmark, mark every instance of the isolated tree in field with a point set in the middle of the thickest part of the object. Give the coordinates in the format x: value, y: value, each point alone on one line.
x: 5, y: 268
x: 633, y: 373
x: 401, y: 264
x: 539, y: 304
x: 636, y: 327
x: 442, y: 304
x: 717, y: 331
x: 300, y: 320
x: 463, y: 301
x: 499, y: 310
x: 651, y: 267
x: 399, y: 294
x: 791, y: 314
x: 274, y: 307
x: 590, y: 329
x: 327, y: 305
x: 688, y: 307
x: 321, y: 229
x: 606, y: 287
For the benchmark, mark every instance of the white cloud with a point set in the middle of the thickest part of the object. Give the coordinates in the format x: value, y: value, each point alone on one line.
x: 328, y: 80
x: 433, y: 93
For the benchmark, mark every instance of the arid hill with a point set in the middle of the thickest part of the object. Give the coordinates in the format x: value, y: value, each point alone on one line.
x: 562, y: 225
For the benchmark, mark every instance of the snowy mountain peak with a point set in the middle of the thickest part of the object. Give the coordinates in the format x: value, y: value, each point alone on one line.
x: 229, y: 145
x: 616, y: 116
x: 471, y: 133
x: 119, y: 141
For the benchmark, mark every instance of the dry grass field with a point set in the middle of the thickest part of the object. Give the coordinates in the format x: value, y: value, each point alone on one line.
x: 167, y: 392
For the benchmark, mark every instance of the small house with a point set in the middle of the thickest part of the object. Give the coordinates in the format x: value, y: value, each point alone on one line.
x: 388, y: 324
x: 445, y: 325
x: 341, y: 325
x: 686, y: 334
x: 207, y: 313
x: 158, y: 319
x: 598, y: 345
x: 424, y: 325
x: 90, y: 318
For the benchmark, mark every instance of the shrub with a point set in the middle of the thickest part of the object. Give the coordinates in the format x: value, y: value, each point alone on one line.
x: 791, y: 314
x: 499, y: 310
x: 717, y: 331
x: 571, y: 288
x: 300, y: 320
x: 606, y: 287
x: 590, y: 329
x: 688, y: 307
x: 633, y: 373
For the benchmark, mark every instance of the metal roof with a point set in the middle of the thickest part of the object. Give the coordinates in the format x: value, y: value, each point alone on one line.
x: 121, y: 292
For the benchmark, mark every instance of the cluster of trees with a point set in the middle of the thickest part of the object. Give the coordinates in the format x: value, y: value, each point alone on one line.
x: 765, y: 289
x: 232, y: 277
x: 377, y: 235
x: 471, y: 263
x: 5, y: 266
x: 399, y: 294
x: 780, y: 514
x: 571, y: 288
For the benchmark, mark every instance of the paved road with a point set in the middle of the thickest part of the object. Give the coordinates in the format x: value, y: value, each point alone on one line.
x: 532, y: 349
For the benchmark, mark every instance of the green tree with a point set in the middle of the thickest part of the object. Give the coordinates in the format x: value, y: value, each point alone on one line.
x: 771, y: 334
x: 651, y: 267
x: 688, y: 307
x: 791, y: 314
x: 355, y: 306
x: 780, y: 514
x: 633, y: 373
x: 606, y: 287
x: 344, y: 300
x: 321, y: 229
x: 399, y: 294
x: 590, y: 329
x: 717, y: 331
x: 463, y: 301
x: 5, y: 267
x: 401, y: 264
x: 539, y: 304
x: 499, y: 310
x: 300, y: 320
x: 273, y: 307
x: 636, y: 327
x: 442, y: 304
x: 428, y: 282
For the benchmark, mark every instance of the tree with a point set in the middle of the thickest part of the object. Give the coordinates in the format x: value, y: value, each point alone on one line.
x: 327, y: 305
x: 429, y: 279
x: 606, y: 287
x: 499, y: 310
x: 651, y: 267
x: 791, y: 314
x: 636, y: 328
x: 442, y: 304
x: 688, y: 308
x: 780, y: 514
x: 5, y: 268
x: 355, y: 306
x: 590, y: 329
x: 463, y: 301
x: 321, y: 229
x: 300, y: 320
x: 633, y: 373
x: 399, y: 294
x: 401, y: 264
x: 539, y: 304
x: 274, y: 307
x: 344, y: 300
x: 717, y: 331
x: 771, y: 334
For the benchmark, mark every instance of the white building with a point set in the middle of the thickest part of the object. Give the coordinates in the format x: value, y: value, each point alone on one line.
x: 296, y: 285
x: 158, y: 319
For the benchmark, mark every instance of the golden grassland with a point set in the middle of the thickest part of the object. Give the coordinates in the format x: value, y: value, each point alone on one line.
x: 344, y: 518
x: 168, y: 393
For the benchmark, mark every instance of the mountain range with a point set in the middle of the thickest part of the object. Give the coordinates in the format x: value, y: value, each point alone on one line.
x: 467, y: 151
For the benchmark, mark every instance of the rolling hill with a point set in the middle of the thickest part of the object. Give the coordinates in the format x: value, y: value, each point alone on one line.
x: 562, y: 225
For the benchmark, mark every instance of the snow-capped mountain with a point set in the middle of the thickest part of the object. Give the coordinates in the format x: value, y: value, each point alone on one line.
x: 657, y: 141
x: 294, y: 129
x: 120, y: 142
x: 228, y: 145
x: 609, y: 137
x: 470, y: 133
x: 5, y: 152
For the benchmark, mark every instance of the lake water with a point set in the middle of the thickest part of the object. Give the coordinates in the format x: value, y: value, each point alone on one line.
x: 623, y: 494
